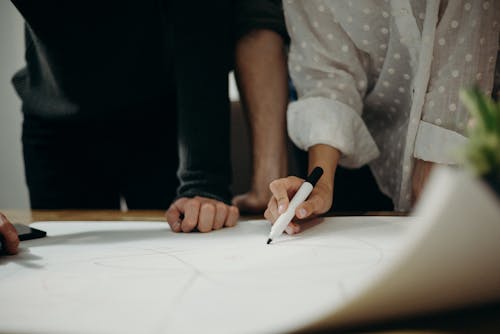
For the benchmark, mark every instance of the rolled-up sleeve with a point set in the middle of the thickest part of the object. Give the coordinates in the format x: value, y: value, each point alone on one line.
x: 437, y: 144
x: 329, y: 75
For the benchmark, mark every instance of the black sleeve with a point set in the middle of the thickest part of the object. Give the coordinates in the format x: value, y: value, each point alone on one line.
x: 202, y: 51
x: 259, y: 14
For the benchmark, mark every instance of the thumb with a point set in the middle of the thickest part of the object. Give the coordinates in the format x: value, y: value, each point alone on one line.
x: 313, y: 205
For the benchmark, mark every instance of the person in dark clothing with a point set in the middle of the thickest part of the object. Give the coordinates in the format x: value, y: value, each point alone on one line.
x: 129, y: 100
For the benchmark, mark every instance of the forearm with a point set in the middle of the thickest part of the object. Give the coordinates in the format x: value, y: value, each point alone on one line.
x: 261, y: 72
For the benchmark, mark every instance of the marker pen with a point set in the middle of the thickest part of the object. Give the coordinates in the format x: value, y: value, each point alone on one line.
x: 286, y: 217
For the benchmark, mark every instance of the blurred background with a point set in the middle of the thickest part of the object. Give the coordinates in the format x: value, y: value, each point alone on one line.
x: 13, y: 191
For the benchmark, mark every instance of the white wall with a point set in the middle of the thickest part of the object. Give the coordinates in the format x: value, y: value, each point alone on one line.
x: 13, y: 191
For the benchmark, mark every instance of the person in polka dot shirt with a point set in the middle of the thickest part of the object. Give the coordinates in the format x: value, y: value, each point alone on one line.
x: 378, y: 84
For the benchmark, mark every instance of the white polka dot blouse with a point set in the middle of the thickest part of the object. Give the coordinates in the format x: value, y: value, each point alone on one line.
x: 379, y: 80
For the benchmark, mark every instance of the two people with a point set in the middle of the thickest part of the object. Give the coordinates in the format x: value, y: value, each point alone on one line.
x: 129, y: 102
x: 377, y: 84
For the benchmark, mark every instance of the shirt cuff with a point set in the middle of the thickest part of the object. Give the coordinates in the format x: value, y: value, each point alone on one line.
x: 319, y: 120
x: 437, y: 144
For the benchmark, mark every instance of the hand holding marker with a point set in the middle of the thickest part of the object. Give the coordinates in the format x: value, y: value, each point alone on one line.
x: 302, y: 194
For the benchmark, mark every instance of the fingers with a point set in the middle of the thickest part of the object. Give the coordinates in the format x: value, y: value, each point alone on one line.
x: 282, y: 190
x: 273, y: 208
x: 221, y: 215
x: 318, y: 202
x: 272, y: 214
x: 174, y: 213
x: 268, y: 215
x: 312, y: 206
x: 9, y: 234
x: 206, y: 217
x: 203, y: 214
x: 232, y: 217
x: 191, y: 213
x: 292, y: 228
x: 279, y: 189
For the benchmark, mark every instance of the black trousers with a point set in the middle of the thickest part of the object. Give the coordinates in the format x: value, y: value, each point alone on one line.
x: 90, y: 165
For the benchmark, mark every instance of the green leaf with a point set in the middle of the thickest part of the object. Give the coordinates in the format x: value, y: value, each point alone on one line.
x: 482, y: 153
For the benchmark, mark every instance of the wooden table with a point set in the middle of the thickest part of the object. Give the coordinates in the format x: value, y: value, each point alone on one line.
x: 484, y: 319
x: 27, y: 216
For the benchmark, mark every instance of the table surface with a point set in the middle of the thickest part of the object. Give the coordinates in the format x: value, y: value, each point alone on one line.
x: 29, y: 216
x: 483, y: 319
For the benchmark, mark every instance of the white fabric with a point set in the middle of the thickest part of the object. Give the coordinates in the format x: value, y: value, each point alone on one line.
x: 338, y: 124
x: 437, y: 144
x: 391, y: 64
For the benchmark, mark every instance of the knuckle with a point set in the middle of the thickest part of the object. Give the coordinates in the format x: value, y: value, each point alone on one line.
x: 276, y: 185
x: 221, y: 215
x: 282, y: 199
x: 234, y: 211
x: 193, y: 204
x: 272, y: 185
x: 180, y: 202
x: 208, y: 208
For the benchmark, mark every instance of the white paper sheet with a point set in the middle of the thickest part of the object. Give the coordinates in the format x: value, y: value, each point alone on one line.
x: 450, y: 258
x: 138, y: 277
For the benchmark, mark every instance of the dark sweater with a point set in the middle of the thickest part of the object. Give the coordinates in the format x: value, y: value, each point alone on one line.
x: 95, y: 60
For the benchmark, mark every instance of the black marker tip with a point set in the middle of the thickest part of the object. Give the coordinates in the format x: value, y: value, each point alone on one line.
x: 269, y: 241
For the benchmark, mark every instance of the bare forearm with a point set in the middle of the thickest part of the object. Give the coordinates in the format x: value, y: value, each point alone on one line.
x: 261, y: 72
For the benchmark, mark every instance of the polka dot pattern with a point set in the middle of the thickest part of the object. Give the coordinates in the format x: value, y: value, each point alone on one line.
x: 359, y: 57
